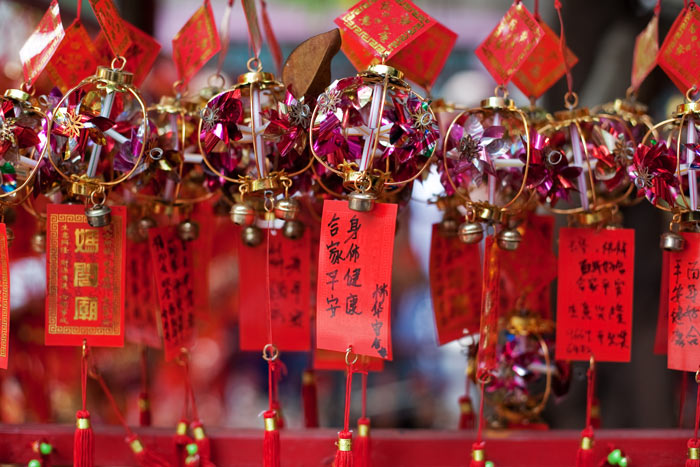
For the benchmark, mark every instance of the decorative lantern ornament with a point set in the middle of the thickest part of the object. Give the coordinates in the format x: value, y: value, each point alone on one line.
x: 96, y: 124
x: 374, y: 132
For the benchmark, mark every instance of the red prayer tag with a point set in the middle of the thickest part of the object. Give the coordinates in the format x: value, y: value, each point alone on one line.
x: 139, y: 57
x: 85, y: 270
x: 510, y: 44
x: 683, y: 328
x: 679, y: 56
x: 646, y: 49
x: 544, y: 66
x: 196, y: 42
x: 594, y: 294
x: 455, y: 286
x: 141, y: 298
x: 172, y: 268
x: 353, y: 305
x: 75, y: 59
x: 42, y: 44
x: 4, y: 298
x: 488, y: 327
x: 288, y: 293
x: 330, y: 360
x: 114, y: 28
x: 661, y: 338
x: 414, y: 42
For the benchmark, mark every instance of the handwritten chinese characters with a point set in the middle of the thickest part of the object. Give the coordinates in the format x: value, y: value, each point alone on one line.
x: 289, y: 300
x: 684, y: 305
x: 86, y: 273
x: 172, y: 267
x: 354, y: 279
x: 594, y: 296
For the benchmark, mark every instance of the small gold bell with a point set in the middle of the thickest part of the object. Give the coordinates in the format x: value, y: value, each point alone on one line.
x: 293, y: 229
x: 448, y: 227
x: 98, y: 215
x: 143, y: 225
x: 242, y: 214
x: 361, y: 201
x: 471, y: 232
x: 10, y: 234
x: 252, y: 235
x: 509, y: 239
x: 671, y: 241
x: 188, y: 230
x: 287, y: 209
x: 38, y: 242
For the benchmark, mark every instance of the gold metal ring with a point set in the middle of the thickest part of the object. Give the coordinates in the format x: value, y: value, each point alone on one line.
x: 115, y: 60
x: 349, y: 352
x: 270, y: 352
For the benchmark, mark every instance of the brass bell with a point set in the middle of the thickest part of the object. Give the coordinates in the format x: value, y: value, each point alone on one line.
x: 448, y: 227
x: 361, y: 201
x: 10, y: 235
x: 471, y: 232
x: 143, y: 225
x: 38, y: 242
x: 98, y: 215
x: 252, y: 235
x: 293, y: 229
x: 287, y: 209
x: 509, y: 239
x: 188, y: 230
x: 671, y: 241
x: 242, y: 214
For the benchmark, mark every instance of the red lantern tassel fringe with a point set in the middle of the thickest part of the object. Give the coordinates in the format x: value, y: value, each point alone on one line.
x: 466, y: 413
x: 478, y: 455
x: 343, y: 455
x: 271, y: 441
x: 309, y: 399
x: 84, y: 438
x: 584, y: 455
x: 362, y: 444
x: 694, y: 444
x: 180, y: 441
x: 203, y: 443
x: 144, y: 402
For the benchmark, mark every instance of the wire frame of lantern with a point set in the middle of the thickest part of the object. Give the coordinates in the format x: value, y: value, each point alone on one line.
x: 22, y: 141
x: 584, y: 152
x: 374, y: 132
x: 233, y: 136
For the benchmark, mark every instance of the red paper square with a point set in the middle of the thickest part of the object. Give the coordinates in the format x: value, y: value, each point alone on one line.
x: 195, y: 43
x: 75, y: 59
x: 42, y: 44
x: 114, y: 28
x: 139, y: 57
x: 646, y: 50
x: 679, y: 56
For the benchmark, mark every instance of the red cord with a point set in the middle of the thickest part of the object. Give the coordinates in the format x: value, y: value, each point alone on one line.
x: 697, y: 413
x: 681, y: 408
x: 562, y: 47
x: 83, y: 377
x: 113, y: 403
x: 78, y: 8
x: 364, y: 394
x: 537, y: 10
x: 481, y: 414
x: 348, y: 390
x: 590, y: 391
x: 657, y: 8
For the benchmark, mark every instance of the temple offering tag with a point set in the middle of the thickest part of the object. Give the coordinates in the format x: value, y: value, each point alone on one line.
x: 172, y: 268
x: 527, y: 272
x: 330, y: 360
x: 646, y: 49
x: 510, y: 44
x: 683, y: 301
x: 85, y: 270
x: 353, y: 306
x: 115, y: 31
x: 414, y: 42
x: 455, y: 286
x: 544, y: 66
x: 488, y: 327
x: 288, y: 293
x: 75, y: 59
x: 195, y: 43
x: 42, y: 44
x: 679, y: 56
x: 140, y: 56
x: 4, y: 298
x: 594, y: 294
x: 661, y: 338
x: 141, y: 307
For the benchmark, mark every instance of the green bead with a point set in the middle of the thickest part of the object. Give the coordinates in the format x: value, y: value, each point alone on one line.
x: 615, y: 457
x: 623, y: 462
x: 34, y: 463
x: 45, y: 449
x: 191, y: 449
x: 488, y: 464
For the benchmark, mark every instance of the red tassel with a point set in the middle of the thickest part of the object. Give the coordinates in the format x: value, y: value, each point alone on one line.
x: 584, y: 455
x: 144, y: 410
x: 478, y: 455
x: 83, y: 441
x: 181, y: 440
x: 275, y: 405
x: 309, y: 399
x: 144, y: 457
x: 693, y: 453
x: 203, y: 444
x: 466, y: 413
x: 343, y: 456
x: 271, y: 441
x: 361, y: 453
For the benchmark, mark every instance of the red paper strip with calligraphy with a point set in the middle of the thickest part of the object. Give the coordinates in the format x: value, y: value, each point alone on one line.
x: 115, y: 31
x: 196, y: 42
x: 683, y: 309
x: 75, y: 59
x: 42, y: 44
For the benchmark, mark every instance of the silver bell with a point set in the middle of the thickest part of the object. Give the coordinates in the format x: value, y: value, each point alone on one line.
x: 98, y: 215
x: 287, y: 209
x: 10, y: 234
x: 38, y: 242
x: 188, y: 230
x: 252, y: 235
x: 448, y: 227
x: 293, y: 229
x: 144, y: 225
x: 671, y: 241
x: 361, y: 201
x: 242, y: 214
x: 509, y: 239
x: 471, y: 232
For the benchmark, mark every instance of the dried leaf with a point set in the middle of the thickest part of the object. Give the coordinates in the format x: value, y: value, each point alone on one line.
x: 308, y: 68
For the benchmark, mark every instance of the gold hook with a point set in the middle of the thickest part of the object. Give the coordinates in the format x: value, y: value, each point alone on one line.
x: 349, y: 352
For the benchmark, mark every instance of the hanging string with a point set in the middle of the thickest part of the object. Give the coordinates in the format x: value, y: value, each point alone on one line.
x: 481, y: 415
x: 537, y: 10
x: 272, y: 43
x: 681, y: 408
x: 78, y: 7
x: 83, y: 377
x: 224, y: 38
x: 364, y: 394
x: 657, y: 8
x: 590, y: 391
x: 562, y: 47
x: 693, y: 459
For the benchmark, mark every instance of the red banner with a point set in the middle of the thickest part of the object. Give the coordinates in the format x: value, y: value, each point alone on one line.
x: 172, y: 268
x: 353, y: 305
x: 196, y: 43
x: 289, y: 301
x: 75, y: 59
x: 594, y: 294
x: 680, y: 53
x: 683, y: 300
x: 114, y: 28
x: 4, y: 299
x: 141, y: 298
x: 646, y: 50
x: 455, y: 286
x: 85, y: 270
x: 42, y: 44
